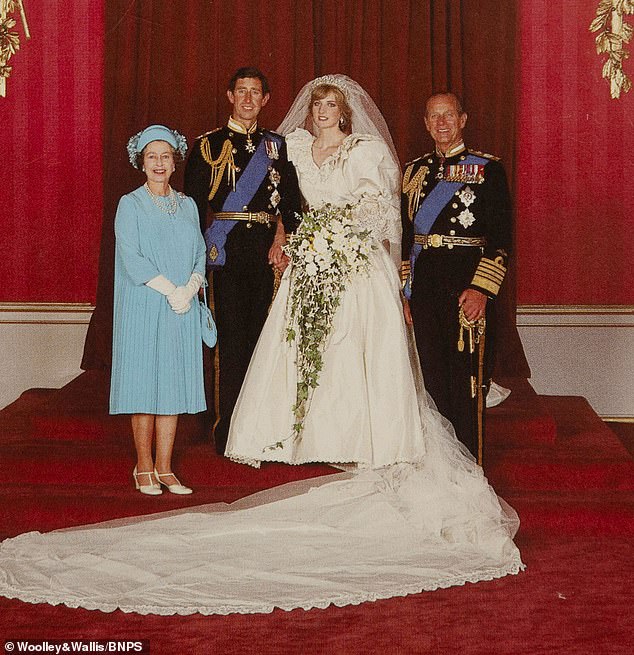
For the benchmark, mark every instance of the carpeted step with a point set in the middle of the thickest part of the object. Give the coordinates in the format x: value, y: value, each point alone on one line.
x: 15, y: 419
x: 523, y: 419
x: 51, y: 507
x: 577, y: 513
x: 29, y: 401
x: 59, y: 462
x: 532, y: 473
x: 92, y: 427
x: 587, y: 455
x: 79, y: 412
x: 574, y: 416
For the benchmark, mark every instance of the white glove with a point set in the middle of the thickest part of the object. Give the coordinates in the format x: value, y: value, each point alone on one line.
x: 180, y: 298
x: 161, y: 284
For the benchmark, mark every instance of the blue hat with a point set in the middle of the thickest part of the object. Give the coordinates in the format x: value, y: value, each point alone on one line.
x: 155, y: 133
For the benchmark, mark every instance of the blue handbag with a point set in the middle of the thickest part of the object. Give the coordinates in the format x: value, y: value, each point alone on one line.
x: 207, y: 323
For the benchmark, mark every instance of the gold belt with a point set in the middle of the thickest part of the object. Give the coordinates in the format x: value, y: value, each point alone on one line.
x: 250, y: 217
x: 443, y: 241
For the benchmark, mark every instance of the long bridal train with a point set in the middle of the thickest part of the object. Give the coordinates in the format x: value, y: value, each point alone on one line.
x: 340, y: 539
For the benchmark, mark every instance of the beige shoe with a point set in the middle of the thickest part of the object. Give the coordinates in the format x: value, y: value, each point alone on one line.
x: 151, y: 489
x: 177, y: 488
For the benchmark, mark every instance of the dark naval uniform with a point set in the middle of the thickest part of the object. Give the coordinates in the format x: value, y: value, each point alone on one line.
x: 243, y: 284
x: 465, y: 246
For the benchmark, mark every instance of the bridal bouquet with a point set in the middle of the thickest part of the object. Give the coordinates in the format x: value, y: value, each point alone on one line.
x: 326, y: 251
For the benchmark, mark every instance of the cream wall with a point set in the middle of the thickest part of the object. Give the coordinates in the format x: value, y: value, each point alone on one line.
x: 40, y: 346
x: 582, y: 351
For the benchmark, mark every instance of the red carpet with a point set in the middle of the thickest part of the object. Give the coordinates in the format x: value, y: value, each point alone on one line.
x: 64, y: 461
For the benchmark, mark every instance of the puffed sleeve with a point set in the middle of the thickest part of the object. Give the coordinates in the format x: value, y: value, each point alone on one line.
x: 126, y: 229
x: 375, y: 180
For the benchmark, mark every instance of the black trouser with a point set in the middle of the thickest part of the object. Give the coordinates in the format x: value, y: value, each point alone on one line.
x: 243, y: 289
x: 446, y: 370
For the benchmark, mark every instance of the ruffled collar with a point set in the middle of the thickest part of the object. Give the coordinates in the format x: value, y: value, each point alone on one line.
x: 300, y: 151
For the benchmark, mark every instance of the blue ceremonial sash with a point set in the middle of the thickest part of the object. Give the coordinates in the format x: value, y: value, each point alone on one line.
x: 246, y: 187
x: 429, y: 211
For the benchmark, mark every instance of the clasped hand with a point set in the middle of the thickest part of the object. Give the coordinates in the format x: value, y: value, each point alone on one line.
x: 180, y: 299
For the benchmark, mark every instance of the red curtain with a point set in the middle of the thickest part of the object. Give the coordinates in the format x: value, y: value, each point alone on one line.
x: 169, y: 62
x: 50, y: 140
x: 575, y: 168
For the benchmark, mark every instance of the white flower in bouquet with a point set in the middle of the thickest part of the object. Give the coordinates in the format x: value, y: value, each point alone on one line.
x: 311, y: 269
x: 320, y: 244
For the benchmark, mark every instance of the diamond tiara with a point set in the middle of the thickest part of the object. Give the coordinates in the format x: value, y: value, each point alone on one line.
x: 335, y: 80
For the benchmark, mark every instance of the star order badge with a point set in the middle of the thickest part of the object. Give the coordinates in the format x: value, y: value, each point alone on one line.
x: 467, y: 196
x: 466, y: 218
x: 275, y: 198
x: 274, y: 176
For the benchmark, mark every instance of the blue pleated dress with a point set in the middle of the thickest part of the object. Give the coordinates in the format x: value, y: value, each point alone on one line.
x: 157, y: 363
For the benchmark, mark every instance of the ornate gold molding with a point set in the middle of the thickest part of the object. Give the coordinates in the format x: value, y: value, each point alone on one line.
x: 613, y: 34
x: 9, y: 41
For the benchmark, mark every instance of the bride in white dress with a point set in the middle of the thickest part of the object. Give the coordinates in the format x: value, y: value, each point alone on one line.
x: 364, y: 410
x: 411, y: 512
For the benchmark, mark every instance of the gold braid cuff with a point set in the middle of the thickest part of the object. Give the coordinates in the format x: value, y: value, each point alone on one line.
x: 218, y: 166
x: 489, y: 275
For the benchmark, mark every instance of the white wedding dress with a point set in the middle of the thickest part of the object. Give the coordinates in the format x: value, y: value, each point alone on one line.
x: 411, y: 512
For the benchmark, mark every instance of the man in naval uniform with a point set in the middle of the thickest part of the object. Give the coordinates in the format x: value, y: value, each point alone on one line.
x: 457, y: 234
x: 247, y: 195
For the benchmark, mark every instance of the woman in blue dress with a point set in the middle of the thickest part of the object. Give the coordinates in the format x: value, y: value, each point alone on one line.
x: 157, y: 370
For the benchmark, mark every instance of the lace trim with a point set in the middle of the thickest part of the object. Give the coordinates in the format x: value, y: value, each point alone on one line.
x: 512, y: 568
x: 366, y: 466
x: 378, y: 215
x: 299, y: 145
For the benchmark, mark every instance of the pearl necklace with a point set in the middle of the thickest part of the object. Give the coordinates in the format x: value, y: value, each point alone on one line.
x: 167, y: 206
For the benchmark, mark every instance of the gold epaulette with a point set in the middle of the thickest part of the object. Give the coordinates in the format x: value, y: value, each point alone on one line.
x: 413, y: 186
x: 489, y: 275
x: 208, y: 133
x: 223, y: 162
x: 486, y: 155
x: 413, y: 161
